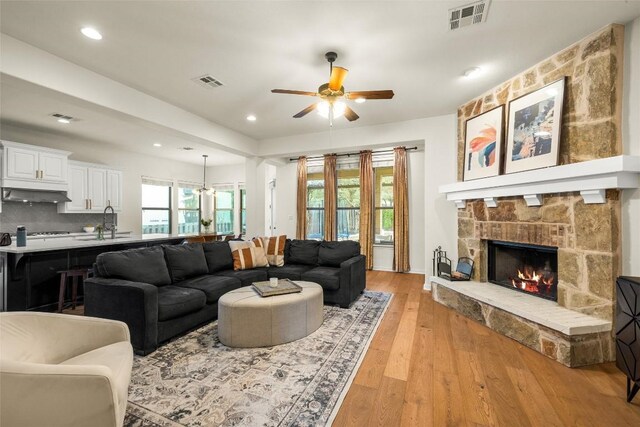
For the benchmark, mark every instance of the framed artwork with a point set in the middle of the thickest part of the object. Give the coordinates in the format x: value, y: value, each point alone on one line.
x: 483, y: 136
x: 533, y: 129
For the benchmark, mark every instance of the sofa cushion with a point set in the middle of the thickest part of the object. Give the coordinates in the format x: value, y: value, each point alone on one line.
x: 218, y: 256
x: 212, y: 286
x: 175, y: 301
x: 146, y: 265
x: 185, y: 261
x: 304, y: 252
x: 332, y: 254
x: 289, y: 271
x: 327, y: 277
x: 247, y: 277
x: 287, y: 251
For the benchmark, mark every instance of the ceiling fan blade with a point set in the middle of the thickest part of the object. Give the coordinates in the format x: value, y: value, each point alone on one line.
x: 306, y: 111
x: 370, y: 94
x: 338, y: 75
x: 350, y: 115
x: 293, y: 92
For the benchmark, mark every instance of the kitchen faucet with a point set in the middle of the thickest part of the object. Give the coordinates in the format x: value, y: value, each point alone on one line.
x: 111, y: 225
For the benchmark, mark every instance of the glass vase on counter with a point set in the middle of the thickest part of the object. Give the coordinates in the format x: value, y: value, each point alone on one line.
x: 100, y: 230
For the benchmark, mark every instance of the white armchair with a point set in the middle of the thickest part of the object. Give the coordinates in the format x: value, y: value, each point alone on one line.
x: 62, y: 370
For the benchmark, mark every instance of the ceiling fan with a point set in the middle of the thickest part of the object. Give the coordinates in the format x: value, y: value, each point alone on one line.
x: 332, y: 95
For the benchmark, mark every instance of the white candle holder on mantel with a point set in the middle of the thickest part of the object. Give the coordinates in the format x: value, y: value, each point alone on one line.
x: 591, y: 178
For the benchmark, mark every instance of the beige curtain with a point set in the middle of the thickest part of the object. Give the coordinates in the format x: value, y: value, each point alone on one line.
x: 400, y: 211
x: 301, y: 213
x: 366, y: 207
x: 330, y: 195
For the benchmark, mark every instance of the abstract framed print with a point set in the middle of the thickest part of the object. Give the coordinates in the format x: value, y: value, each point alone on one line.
x: 483, y: 137
x: 533, y: 129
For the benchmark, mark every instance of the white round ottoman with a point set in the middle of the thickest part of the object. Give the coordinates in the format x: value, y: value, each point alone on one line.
x: 245, y: 319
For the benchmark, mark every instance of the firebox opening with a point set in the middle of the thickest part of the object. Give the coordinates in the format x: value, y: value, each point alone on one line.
x: 526, y: 268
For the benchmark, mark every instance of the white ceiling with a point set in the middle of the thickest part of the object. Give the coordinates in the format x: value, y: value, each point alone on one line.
x: 252, y: 47
x: 27, y: 105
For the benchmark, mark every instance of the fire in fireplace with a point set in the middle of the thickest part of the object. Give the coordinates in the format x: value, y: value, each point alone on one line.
x: 526, y: 268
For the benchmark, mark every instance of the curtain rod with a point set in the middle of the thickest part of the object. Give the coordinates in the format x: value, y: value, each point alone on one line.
x: 295, y: 159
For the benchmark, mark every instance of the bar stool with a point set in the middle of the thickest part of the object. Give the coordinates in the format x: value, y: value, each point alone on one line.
x: 73, y: 273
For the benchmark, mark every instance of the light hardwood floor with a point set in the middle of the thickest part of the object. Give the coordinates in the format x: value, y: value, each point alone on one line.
x: 429, y: 366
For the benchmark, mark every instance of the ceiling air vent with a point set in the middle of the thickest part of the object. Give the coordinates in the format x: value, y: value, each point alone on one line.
x: 469, y: 14
x: 208, y: 81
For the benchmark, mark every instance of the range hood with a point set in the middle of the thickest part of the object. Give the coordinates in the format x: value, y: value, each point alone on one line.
x: 34, y: 196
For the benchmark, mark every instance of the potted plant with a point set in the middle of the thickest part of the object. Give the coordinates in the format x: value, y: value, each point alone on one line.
x: 206, y: 223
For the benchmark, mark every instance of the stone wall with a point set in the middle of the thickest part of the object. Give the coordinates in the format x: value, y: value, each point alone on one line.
x: 587, y: 236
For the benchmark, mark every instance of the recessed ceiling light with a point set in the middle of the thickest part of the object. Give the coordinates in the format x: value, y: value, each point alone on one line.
x: 472, y: 72
x: 65, y: 121
x: 360, y: 100
x: 92, y: 33
x: 251, y: 118
x: 157, y: 144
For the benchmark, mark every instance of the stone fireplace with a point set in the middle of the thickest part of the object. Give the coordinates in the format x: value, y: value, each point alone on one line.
x: 567, y: 247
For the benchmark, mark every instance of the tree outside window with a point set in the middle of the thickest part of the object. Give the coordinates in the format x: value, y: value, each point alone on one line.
x: 223, y: 210
x: 188, y: 210
x: 156, y: 208
x: 383, y: 224
x: 348, y: 211
x: 315, y: 206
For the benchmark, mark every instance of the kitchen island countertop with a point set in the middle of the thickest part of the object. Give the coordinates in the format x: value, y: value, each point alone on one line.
x: 54, y: 244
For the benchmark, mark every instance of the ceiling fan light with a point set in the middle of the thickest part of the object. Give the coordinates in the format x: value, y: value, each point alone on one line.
x: 339, y: 108
x: 323, y: 109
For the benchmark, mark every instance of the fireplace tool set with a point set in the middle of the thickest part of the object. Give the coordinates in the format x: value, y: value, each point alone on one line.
x: 442, y: 266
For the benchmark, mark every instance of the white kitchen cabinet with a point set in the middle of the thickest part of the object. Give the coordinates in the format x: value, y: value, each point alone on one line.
x: 91, y: 188
x: 21, y: 163
x: 97, y: 189
x: 29, y: 166
x: 114, y: 189
x: 53, y: 166
x: 78, y: 190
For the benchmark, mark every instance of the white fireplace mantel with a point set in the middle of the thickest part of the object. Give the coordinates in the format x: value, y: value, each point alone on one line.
x: 591, y: 178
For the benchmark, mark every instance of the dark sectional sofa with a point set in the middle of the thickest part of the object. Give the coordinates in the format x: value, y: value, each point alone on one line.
x: 164, y: 291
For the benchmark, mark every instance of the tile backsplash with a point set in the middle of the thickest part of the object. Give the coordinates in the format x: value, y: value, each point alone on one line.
x: 43, y: 217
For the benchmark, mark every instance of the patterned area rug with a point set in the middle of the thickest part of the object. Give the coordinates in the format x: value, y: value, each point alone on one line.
x: 197, y: 381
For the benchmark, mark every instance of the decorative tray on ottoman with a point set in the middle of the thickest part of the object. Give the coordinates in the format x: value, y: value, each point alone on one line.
x: 285, y: 286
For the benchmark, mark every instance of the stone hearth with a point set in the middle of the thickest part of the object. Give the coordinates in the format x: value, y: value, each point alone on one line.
x: 569, y: 337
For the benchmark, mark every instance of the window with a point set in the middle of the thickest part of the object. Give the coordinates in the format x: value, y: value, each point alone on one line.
x: 223, y: 210
x: 348, y: 215
x: 156, y: 207
x: 383, y: 232
x: 188, y: 210
x: 243, y: 211
x: 315, y: 206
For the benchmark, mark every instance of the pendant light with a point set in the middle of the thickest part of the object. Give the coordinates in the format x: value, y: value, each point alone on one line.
x: 204, y: 189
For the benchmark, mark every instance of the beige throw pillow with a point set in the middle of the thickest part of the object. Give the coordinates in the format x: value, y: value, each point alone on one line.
x: 274, y: 248
x: 247, y: 255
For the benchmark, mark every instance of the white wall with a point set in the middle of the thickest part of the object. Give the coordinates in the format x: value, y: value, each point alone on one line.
x: 631, y: 144
x: 132, y: 165
x: 441, y: 166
